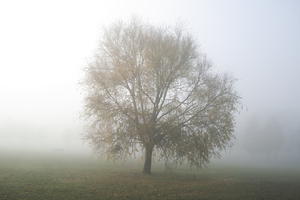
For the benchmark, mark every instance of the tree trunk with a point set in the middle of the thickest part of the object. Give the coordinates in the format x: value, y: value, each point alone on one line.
x: 148, y: 159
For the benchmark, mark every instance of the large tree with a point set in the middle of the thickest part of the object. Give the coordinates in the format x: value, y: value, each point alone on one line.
x: 149, y: 88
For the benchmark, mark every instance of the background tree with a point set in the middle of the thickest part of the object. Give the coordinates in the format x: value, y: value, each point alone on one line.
x: 263, y: 137
x: 150, y: 89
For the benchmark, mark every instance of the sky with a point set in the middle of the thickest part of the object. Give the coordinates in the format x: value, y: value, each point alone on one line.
x: 44, y: 45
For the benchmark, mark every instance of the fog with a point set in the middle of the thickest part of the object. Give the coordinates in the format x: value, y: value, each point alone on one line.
x: 45, y: 45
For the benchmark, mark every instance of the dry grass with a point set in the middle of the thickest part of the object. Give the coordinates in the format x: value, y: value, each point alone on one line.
x: 84, y: 179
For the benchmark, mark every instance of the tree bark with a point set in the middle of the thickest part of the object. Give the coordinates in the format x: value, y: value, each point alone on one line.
x: 148, y: 159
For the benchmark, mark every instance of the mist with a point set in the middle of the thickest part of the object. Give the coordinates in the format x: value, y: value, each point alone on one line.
x: 46, y: 45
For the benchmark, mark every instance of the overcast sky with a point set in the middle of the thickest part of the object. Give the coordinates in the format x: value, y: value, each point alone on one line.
x: 45, y: 44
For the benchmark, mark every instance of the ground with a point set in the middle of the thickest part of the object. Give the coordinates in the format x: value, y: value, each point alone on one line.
x: 73, y: 178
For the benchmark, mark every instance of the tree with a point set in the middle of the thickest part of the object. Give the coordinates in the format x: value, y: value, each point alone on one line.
x: 150, y: 89
x: 264, y: 137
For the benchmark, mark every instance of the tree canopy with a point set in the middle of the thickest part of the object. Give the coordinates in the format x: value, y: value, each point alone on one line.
x: 150, y: 88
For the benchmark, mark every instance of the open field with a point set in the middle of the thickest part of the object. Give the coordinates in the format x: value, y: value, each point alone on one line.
x: 68, y: 178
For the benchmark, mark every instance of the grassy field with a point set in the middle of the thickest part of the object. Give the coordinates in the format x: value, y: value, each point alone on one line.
x: 67, y: 177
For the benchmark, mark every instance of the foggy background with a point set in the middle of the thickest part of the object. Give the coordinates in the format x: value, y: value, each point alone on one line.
x: 44, y: 45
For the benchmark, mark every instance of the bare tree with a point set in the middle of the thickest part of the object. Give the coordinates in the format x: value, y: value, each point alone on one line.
x: 150, y: 89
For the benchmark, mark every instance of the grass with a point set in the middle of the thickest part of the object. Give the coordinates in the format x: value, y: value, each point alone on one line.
x: 73, y: 178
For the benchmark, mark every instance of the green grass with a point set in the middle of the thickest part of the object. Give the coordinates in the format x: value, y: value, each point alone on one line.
x: 67, y: 177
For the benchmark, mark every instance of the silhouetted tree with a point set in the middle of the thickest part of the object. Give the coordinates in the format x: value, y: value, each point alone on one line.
x: 150, y: 88
x: 263, y: 136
